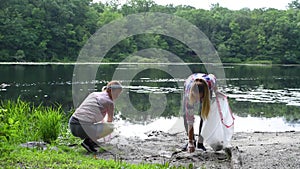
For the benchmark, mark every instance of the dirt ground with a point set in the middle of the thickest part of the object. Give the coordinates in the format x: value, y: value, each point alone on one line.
x: 249, y: 150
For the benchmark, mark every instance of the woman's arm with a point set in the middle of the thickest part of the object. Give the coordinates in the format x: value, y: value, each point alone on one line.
x: 189, y: 111
x: 110, y: 113
x: 191, y: 145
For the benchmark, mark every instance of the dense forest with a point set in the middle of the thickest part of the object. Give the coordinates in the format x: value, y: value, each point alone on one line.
x: 56, y: 30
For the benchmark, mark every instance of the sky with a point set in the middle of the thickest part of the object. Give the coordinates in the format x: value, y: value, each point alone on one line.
x: 230, y: 4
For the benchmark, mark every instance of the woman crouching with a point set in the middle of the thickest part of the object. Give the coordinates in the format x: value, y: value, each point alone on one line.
x: 87, y: 122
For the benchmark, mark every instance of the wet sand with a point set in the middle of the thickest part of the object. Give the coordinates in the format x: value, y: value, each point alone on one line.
x: 249, y: 150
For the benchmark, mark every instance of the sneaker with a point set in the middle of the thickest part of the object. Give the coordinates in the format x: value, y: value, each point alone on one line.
x: 184, y: 147
x: 96, y: 145
x: 88, y: 146
x: 201, y: 146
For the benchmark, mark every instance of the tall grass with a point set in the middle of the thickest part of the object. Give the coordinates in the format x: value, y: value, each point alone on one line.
x: 49, y: 123
x: 16, y: 122
x: 21, y: 122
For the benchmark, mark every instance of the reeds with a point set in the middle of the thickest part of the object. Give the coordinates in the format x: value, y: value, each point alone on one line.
x: 49, y: 123
x: 21, y: 122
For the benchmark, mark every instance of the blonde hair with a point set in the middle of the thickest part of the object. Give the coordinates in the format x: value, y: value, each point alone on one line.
x: 200, y: 86
x: 113, y: 85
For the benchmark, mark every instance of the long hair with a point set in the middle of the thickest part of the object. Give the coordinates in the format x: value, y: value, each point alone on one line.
x: 198, y: 87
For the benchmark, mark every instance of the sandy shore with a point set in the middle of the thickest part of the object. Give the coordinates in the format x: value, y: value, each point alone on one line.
x: 249, y: 150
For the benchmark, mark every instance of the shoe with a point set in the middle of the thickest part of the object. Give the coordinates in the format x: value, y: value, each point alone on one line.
x: 201, y: 146
x: 184, y: 147
x: 95, y: 144
x: 88, y: 146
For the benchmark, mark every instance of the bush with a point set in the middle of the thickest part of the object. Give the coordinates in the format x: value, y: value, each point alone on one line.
x: 49, y: 124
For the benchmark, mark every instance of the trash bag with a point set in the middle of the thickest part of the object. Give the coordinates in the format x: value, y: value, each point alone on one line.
x: 218, y: 128
x: 106, y: 129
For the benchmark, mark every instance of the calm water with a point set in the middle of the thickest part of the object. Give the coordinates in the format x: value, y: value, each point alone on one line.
x: 263, y: 98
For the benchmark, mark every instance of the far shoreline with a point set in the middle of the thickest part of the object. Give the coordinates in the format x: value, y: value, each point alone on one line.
x: 144, y: 63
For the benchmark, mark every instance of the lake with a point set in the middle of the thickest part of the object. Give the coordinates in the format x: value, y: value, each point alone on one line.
x: 262, y: 97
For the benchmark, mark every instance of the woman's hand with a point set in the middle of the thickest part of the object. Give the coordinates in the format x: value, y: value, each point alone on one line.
x: 191, y: 147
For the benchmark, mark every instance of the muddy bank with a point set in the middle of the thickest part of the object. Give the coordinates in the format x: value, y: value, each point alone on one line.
x: 249, y: 150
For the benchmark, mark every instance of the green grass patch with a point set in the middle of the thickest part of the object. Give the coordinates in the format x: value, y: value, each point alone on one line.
x: 21, y: 122
x: 49, y: 124
x: 18, y: 157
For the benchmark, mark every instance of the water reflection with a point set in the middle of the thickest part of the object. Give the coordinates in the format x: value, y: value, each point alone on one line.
x: 175, y: 125
x: 255, y: 91
x: 287, y: 96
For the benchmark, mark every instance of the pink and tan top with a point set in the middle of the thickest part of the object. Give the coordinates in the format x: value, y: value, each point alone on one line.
x: 94, y: 108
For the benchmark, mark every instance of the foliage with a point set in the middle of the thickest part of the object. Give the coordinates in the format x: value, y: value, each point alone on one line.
x: 49, y: 123
x: 62, y: 157
x: 56, y: 30
x: 22, y: 122
x: 19, y: 122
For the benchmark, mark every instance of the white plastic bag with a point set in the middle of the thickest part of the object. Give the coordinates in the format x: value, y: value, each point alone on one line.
x: 106, y: 130
x: 218, y: 128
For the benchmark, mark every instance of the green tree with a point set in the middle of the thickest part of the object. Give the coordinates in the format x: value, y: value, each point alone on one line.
x: 294, y: 4
x: 57, y: 30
